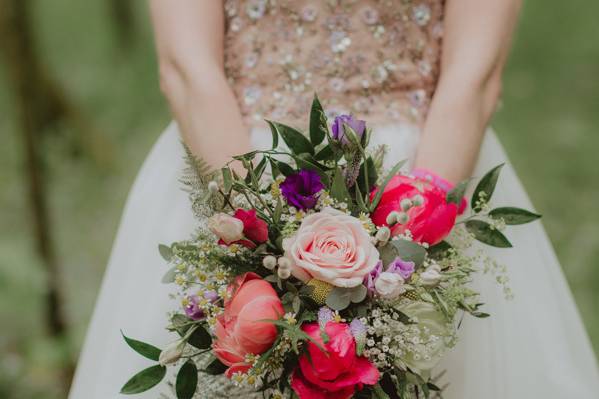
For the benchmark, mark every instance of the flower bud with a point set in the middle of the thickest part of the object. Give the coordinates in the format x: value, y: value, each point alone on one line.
x: 269, y: 262
x: 213, y: 187
x: 405, y: 204
x: 226, y: 227
x: 430, y: 277
x: 171, y: 353
x: 403, y: 218
x: 284, y: 273
x: 284, y: 263
x: 383, y: 234
x: 392, y: 218
x: 418, y: 200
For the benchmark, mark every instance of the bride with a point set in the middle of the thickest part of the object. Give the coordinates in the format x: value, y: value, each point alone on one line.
x: 426, y: 75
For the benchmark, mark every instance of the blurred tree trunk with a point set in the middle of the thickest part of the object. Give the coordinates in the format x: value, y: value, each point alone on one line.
x: 40, y: 103
x: 124, y: 20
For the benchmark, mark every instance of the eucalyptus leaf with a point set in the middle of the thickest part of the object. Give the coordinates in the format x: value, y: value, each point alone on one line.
x: 318, y: 122
x: 166, y: 252
x: 486, y: 185
x: 483, y: 232
x: 144, y: 380
x: 144, y: 349
x: 514, y: 216
x: 408, y: 251
x: 339, y: 298
x: 295, y: 140
x: 187, y: 380
x: 170, y: 275
x: 358, y: 293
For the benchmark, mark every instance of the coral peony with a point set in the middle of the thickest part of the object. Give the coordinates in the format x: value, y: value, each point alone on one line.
x: 241, y: 329
x: 430, y: 222
x: 333, y: 247
x: 336, y: 373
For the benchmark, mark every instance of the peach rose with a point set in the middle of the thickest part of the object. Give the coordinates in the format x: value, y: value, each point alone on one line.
x: 331, y: 246
x: 240, y: 329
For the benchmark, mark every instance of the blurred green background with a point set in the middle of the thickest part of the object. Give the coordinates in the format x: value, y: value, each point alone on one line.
x: 99, y: 56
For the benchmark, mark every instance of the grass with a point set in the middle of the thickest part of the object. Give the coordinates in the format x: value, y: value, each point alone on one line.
x: 549, y: 125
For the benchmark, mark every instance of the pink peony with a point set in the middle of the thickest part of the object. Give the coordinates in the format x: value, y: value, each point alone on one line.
x: 336, y: 373
x: 331, y: 246
x: 239, y: 329
x: 430, y: 222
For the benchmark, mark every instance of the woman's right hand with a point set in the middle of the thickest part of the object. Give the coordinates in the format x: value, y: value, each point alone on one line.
x: 189, y: 41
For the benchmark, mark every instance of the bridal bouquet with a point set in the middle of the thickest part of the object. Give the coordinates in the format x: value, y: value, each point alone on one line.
x: 317, y: 274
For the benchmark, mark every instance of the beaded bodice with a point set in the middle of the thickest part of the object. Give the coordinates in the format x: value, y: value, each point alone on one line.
x: 378, y: 59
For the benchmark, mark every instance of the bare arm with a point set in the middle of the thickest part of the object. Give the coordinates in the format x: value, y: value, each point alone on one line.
x: 189, y: 40
x: 476, y: 44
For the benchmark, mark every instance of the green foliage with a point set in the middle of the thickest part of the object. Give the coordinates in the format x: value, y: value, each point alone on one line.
x: 485, y: 233
x: 144, y: 349
x: 514, y: 216
x: 144, y: 380
x: 187, y: 380
x: 318, y: 122
x: 486, y: 187
x: 408, y: 251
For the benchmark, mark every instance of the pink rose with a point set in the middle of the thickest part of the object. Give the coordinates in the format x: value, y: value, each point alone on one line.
x: 430, y: 222
x: 336, y: 373
x: 254, y: 228
x: 331, y: 246
x: 240, y: 329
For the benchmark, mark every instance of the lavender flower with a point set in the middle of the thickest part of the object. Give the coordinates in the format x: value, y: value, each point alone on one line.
x: 403, y: 268
x: 301, y: 189
x: 324, y: 316
x: 358, y: 126
x: 372, y: 276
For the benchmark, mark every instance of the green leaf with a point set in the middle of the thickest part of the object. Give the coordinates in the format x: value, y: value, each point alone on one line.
x: 187, y: 380
x: 339, y: 189
x: 381, y: 188
x: 456, y: 195
x: 215, y: 367
x: 284, y: 168
x: 275, y: 134
x: 358, y: 293
x: 486, y: 185
x: 144, y: 349
x: 483, y: 232
x: 371, y: 178
x: 170, y: 275
x: 165, y: 251
x: 318, y: 122
x: 144, y: 380
x: 379, y: 393
x: 259, y: 169
x: 326, y: 153
x: 408, y: 251
x: 200, y: 338
x: 438, y: 251
x: 339, y: 298
x: 227, y: 179
x: 295, y: 140
x: 514, y: 216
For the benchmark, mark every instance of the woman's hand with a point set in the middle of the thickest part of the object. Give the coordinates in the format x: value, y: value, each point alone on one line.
x: 476, y: 44
x: 189, y: 40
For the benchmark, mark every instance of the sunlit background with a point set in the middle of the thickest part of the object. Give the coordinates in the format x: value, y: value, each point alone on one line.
x: 85, y: 73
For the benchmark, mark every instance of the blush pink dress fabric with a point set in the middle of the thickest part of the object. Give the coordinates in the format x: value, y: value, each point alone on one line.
x: 380, y: 60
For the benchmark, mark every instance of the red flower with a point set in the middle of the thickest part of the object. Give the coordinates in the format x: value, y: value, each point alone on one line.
x: 336, y: 373
x: 430, y: 222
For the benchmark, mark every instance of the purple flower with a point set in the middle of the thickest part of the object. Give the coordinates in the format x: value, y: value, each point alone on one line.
x: 193, y: 309
x: 372, y: 276
x: 358, y: 329
x: 301, y: 189
x: 325, y: 315
x: 357, y: 126
x: 403, y: 268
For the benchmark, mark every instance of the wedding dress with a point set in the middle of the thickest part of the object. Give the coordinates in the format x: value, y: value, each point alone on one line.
x: 378, y: 59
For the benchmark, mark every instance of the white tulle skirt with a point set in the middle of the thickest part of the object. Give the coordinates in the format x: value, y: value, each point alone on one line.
x: 533, y: 346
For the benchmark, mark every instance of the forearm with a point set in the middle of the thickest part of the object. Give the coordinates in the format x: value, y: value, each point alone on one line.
x: 475, y: 47
x: 455, y: 126
x: 208, y: 116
